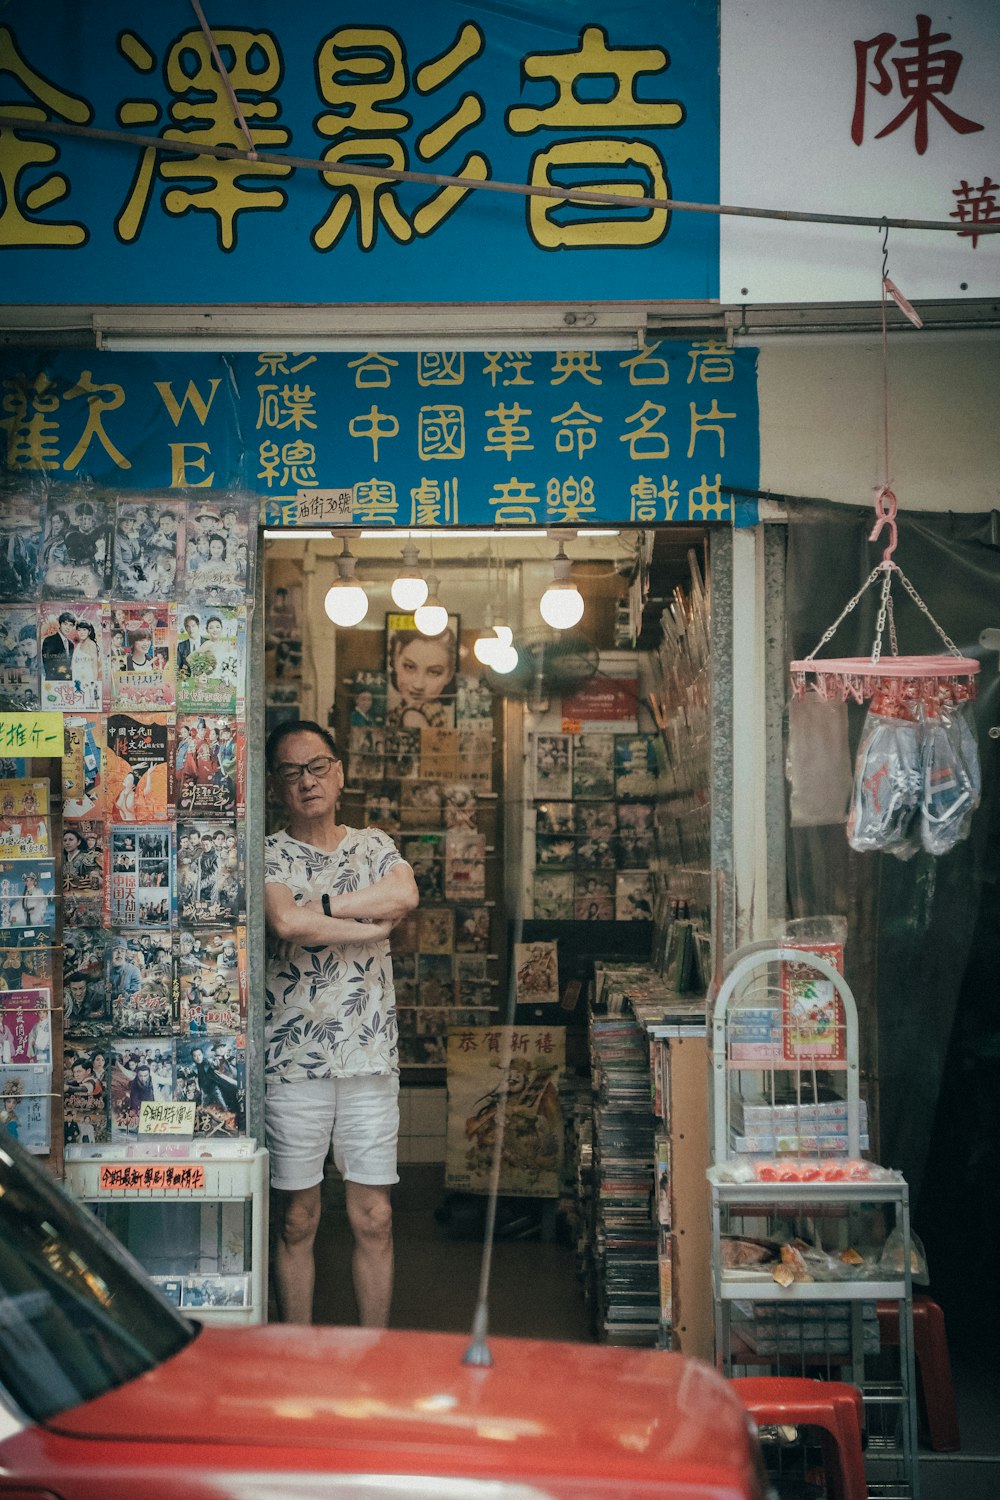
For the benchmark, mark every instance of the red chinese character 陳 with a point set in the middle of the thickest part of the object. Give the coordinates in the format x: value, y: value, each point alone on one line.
x: 922, y: 79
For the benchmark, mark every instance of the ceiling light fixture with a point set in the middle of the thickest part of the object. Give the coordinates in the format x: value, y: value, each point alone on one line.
x: 503, y: 657
x: 431, y: 618
x: 346, y: 602
x: 409, y: 587
x: 561, y: 606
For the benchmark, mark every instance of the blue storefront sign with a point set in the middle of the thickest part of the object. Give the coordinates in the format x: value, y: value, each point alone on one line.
x: 621, y: 98
x: 663, y: 433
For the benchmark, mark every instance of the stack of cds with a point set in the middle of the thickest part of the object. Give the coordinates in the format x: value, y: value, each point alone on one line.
x: 625, y: 1239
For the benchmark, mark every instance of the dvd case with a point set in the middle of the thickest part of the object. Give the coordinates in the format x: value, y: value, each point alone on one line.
x: 138, y: 767
x: 210, y: 766
x: 143, y: 656
x: 72, y: 649
x: 139, y: 888
x: 19, y: 681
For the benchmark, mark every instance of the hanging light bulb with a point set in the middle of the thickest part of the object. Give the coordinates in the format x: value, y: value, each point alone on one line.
x: 346, y: 602
x: 504, y: 657
x: 561, y: 606
x: 431, y: 618
x: 483, y: 648
x: 409, y: 587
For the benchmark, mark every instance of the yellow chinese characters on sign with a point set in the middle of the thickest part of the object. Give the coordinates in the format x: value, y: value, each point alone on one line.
x: 635, y: 168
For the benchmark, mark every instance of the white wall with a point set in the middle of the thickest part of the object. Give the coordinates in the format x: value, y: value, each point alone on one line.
x: 821, y: 418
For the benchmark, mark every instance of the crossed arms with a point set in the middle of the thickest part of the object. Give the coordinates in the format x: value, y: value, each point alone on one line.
x: 383, y: 904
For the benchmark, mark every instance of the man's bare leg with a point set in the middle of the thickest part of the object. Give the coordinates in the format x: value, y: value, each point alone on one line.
x: 369, y: 1211
x: 298, y: 1215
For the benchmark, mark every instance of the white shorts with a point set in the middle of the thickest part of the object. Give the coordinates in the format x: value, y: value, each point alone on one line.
x: 359, y: 1116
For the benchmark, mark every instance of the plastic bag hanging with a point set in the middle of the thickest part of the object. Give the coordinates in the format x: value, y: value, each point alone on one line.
x: 888, y: 781
x: 950, y: 783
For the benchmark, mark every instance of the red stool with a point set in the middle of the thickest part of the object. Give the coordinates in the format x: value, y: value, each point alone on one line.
x: 831, y: 1405
x: 930, y: 1346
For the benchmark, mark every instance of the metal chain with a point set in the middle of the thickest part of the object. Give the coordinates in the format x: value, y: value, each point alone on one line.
x: 886, y: 613
x: 908, y: 586
x: 885, y: 606
x: 852, y: 604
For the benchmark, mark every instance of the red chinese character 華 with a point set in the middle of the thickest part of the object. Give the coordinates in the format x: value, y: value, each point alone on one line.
x: 976, y: 205
x: 921, y: 79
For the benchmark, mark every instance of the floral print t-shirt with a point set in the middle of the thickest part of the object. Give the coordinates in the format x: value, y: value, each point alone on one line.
x: 330, y: 1011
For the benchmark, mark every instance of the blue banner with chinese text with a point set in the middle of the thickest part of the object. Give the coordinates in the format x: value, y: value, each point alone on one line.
x: 621, y: 97
x: 507, y: 438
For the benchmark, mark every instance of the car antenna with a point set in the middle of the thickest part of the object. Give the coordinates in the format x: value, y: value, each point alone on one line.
x: 478, y: 1352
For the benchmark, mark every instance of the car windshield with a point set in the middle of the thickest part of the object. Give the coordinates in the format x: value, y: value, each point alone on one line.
x: 77, y: 1316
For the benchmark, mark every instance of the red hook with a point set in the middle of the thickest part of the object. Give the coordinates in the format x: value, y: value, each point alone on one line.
x: 885, y: 515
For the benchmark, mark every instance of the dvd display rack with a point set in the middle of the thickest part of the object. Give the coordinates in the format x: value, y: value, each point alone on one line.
x: 808, y: 1236
x: 195, y: 1219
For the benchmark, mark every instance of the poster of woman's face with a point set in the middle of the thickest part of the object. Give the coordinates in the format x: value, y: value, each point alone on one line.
x: 421, y: 674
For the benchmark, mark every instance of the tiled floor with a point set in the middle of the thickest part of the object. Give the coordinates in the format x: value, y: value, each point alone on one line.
x: 535, y: 1293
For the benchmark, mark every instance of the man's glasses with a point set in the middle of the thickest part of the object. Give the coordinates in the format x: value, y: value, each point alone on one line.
x: 288, y: 773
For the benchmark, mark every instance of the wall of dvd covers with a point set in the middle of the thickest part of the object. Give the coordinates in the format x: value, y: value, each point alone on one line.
x: 129, y: 617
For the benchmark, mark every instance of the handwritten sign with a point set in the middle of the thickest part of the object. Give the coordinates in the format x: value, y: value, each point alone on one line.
x: 38, y: 734
x: 152, y: 1177
x: 314, y: 507
x: 166, y: 1119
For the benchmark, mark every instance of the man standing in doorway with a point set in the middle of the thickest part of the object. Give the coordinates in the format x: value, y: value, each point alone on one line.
x: 332, y: 895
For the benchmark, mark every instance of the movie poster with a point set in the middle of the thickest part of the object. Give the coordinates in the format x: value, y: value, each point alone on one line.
x: 149, y: 549
x: 86, y: 1094
x: 27, y: 893
x: 553, y: 896
x: 218, y: 556
x: 138, y: 883
x: 26, y: 1026
x: 25, y: 958
x: 19, y: 682
x: 554, y: 766
x: 137, y: 769
x: 211, y: 1073
x: 536, y: 973
x: 283, y: 635
x: 140, y: 983
x: 464, y: 865
x: 212, y: 981
x: 24, y: 826
x: 634, y: 896
x: 83, y: 766
x: 26, y: 1106
x: 76, y: 552
x: 72, y: 644
x: 635, y: 765
x: 211, y: 659
x: 210, y: 766
x: 83, y: 873
x: 21, y: 540
x: 421, y: 671
x: 143, y: 1070
x: 519, y: 1067
x: 143, y: 655
x: 209, y: 873
x: 86, y: 1010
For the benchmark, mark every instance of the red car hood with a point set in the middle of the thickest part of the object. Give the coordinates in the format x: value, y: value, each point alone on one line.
x: 546, y: 1407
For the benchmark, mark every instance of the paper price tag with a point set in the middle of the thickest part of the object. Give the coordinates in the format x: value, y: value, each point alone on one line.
x: 166, y: 1119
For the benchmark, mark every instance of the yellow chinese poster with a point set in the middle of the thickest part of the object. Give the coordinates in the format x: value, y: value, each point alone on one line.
x: 505, y: 1077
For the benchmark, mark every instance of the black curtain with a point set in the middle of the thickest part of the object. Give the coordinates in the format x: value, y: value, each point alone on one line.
x: 912, y: 923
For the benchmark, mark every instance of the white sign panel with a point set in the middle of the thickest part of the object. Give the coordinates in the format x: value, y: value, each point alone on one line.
x: 859, y: 108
